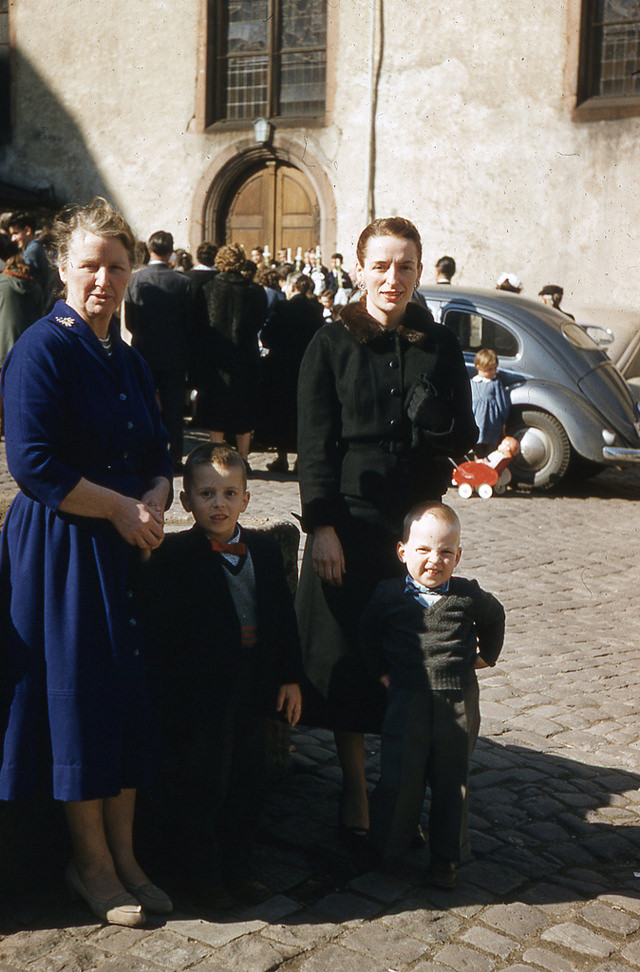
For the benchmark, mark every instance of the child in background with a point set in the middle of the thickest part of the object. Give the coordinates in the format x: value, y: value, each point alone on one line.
x: 221, y: 616
x: 490, y: 402
x: 423, y: 636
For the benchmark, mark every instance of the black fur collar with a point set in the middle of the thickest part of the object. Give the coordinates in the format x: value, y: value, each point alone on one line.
x: 365, y: 328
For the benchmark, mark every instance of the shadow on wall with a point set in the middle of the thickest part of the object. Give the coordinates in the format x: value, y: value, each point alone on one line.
x: 47, y: 149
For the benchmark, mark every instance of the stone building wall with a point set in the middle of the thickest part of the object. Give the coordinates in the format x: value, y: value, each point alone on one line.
x: 475, y: 137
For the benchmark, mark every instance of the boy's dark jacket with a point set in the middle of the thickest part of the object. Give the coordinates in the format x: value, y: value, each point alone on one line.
x: 194, y: 632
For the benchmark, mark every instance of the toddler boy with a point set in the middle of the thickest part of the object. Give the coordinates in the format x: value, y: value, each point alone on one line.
x: 423, y: 636
x: 221, y: 613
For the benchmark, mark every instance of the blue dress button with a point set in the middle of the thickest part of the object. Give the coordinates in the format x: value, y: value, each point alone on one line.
x: 132, y: 622
x: 129, y: 425
x: 123, y: 397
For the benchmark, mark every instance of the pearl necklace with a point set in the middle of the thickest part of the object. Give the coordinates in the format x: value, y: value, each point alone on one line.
x: 106, y: 343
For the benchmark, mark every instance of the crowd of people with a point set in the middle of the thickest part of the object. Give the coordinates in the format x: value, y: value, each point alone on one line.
x: 134, y: 661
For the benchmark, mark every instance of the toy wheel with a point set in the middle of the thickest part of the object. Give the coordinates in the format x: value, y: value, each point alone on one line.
x: 499, y: 489
x: 465, y: 491
x: 485, y: 491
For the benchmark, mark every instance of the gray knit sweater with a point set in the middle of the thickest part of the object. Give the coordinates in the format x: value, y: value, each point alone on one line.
x: 425, y: 648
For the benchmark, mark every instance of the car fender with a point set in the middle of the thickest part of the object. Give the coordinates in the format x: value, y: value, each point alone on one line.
x: 581, y: 422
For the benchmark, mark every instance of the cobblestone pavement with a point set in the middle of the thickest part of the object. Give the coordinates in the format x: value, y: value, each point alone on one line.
x: 554, y: 881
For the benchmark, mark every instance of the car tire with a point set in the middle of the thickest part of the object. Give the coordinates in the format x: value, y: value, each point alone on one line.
x: 545, y: 451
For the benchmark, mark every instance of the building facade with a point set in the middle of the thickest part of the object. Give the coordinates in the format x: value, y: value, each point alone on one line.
x: 508, y: 132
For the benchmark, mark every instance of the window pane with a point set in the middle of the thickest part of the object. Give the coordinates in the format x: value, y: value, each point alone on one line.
x: 248, y: 26
x: 302, y: 83
x: 304, y: 24
x: 613, y: 11
x: 247, y: 87
x: 620, y: 57
x: 475, y: 332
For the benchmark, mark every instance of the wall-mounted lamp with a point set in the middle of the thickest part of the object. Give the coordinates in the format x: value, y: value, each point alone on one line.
x: 261, y: 131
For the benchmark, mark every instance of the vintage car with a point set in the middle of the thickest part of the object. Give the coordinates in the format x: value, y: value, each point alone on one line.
x: 571, y: 409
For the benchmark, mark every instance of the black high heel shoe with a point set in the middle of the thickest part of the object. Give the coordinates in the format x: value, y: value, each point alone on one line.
x: 354, y: 838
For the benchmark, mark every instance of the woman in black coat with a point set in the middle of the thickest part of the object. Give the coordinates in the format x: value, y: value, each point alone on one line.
x: 287, y: 334
x: 226, y: 359
x: 383, y: 401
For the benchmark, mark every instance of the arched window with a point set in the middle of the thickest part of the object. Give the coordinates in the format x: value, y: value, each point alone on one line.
x: 267, y: 58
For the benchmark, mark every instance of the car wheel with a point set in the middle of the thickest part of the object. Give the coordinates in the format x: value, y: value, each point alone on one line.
x: 544, y: 449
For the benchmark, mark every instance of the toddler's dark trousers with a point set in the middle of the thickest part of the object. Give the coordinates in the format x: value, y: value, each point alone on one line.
x: 427, y: 740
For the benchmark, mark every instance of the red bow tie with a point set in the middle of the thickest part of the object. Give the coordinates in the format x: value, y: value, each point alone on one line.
x: 239, y: 549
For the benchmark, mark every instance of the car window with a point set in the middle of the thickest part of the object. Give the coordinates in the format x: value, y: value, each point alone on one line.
x: 474, y: 331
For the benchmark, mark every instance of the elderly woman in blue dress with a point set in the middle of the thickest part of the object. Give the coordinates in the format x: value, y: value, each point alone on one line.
x: 87, y: 448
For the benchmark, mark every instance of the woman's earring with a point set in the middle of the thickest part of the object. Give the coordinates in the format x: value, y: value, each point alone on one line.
x: 362, y: 287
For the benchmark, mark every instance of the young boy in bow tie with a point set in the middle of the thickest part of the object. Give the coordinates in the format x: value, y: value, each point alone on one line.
x: 423, y: 636
x: 223, y: 619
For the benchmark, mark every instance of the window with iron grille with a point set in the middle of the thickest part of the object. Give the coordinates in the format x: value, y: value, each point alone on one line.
x: 610, y: 51
x: 270, y: 59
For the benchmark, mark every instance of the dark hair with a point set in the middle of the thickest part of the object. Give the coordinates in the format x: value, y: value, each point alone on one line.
x: 550, y: 290
x: 218, y: 454
x: 161, y: 243
x: 391, y: 226
x: 447, y: 266
x: 337, y: 256
x: 206, y: 253
x: 183, y: 259
x: 304, y: 285
x: 22, y: 220
x: 98, y: 217
x: 268, y: 277
x: 439, y: 510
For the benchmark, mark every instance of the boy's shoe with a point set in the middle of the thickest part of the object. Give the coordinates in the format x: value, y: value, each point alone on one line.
x: 441, y: 873
x: 418, y: 841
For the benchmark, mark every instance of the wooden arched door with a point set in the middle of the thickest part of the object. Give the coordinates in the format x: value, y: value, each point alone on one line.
x: 274, y: 206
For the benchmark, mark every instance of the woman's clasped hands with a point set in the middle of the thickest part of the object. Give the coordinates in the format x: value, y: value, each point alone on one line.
x: 138, y: 522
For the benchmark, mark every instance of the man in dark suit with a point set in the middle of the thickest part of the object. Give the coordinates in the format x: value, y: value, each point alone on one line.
x: 159, y: 315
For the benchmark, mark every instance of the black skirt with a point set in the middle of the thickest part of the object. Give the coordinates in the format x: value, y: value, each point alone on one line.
x: 340, y: 694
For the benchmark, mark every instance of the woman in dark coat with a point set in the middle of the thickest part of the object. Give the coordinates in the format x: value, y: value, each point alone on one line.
x: 287, y: 334
x: 87, y: 448
x: 383, y: 400
x: 226, y: 358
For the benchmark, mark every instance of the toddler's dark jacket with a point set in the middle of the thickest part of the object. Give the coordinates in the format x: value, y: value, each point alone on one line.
x: 431, y: 648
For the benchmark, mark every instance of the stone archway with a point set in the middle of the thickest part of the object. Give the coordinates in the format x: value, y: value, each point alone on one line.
x: 307, y: 207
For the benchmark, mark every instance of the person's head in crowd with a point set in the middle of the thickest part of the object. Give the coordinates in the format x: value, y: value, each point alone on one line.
x: 215, y: 489
x: 230, y: 257
x: 16, y: 267
x: 206, y: 253
x: 7, y: 246
x: 249, y: 270
x: 445, y: 269
x: 268, y: 277
x: 160, y: 246
x: 281, y: 255
x: 299, y: 283
x: 326, y: 298
x: 183, y: 260
x: 257, y: 255
x: 336, y: 261
x: 510, y: 282
x: 22, y: 227
x: 552, y: 295
x: 142, y: 253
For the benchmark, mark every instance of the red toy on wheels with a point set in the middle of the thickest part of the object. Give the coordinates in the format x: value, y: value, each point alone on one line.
x: 488, y: 476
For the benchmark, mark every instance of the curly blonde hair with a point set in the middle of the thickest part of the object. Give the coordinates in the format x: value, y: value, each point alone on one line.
x: 230, y: 257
